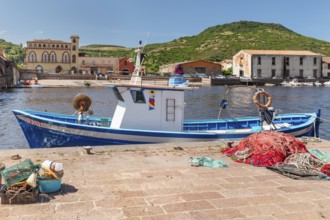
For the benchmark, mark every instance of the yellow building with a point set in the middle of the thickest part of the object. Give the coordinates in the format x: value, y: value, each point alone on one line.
x: 95, y: 65
x: 52, y: 56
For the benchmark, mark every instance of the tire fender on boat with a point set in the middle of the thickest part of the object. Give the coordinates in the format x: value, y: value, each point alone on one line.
x: 256, y: 98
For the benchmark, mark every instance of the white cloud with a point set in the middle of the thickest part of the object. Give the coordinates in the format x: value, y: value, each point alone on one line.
x: 3, y: 32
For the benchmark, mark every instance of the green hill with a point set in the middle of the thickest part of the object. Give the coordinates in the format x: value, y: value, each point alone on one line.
x: 13, y: 51
x: 216, y: 43
x: 223, y: 41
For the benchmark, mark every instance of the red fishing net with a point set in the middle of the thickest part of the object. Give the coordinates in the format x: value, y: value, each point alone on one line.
x: 326, y: 169
x: 266, y: 148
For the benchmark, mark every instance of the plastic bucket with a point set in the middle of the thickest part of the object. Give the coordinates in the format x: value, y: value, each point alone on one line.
x: 47, y: 185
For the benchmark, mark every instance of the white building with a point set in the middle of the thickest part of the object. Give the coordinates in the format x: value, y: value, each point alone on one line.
x: 277, y: 63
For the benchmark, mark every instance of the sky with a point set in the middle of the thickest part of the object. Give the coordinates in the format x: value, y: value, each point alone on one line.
x: 126, y: 22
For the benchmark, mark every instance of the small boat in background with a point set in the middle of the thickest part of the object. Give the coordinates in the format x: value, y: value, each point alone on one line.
x: 178, y: 80
x: 292, y: 83
x: 318, y: 83
x: 327, y: 83
x: 295, y: 83
x: 308, y: 84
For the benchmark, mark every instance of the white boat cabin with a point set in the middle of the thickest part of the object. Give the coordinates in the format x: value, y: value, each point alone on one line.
x: 148, y: 107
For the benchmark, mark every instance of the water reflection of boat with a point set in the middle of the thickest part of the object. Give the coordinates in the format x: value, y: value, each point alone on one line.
x: 153, y: 114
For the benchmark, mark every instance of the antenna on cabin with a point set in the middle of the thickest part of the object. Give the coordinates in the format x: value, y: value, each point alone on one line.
x: 136, y: 77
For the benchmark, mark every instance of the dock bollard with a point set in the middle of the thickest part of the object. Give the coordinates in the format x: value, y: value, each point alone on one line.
x: 88, y: 150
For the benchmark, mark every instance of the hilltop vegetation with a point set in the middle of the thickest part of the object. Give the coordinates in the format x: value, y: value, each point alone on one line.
x: 13, y: 51
x: 223, y: 41
x: 216, y: 44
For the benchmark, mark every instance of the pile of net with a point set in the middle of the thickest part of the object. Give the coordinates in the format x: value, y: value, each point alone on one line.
x: 266, y: 148
x: 281, y: 153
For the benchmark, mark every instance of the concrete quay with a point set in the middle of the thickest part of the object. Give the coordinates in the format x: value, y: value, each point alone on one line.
x: 148, y: 182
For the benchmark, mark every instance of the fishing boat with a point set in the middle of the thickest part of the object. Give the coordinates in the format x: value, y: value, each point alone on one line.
x: 148, y: 114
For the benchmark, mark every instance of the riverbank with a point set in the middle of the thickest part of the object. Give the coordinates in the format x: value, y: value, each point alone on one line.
x: 54, y: 83
x: 158, y: 182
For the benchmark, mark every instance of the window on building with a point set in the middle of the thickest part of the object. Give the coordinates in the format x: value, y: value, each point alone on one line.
x: 39, y: 69
x: 328, y: 65
x: 287, y: 73
x: 45, y: 57
x: 65, y: 58
x: 53, y: 46
x: 74, y: 47
x: 315, y: 74
x: 315, y: 61
x: 301, y: 61
x: 273, y: 61
x: 259, y: 73
x: 273, y: 73
x: 66, y: 46
x: 200, y: 69
x: 32, y: 57
x: 73, y: 58
x: 44, y: 45
x: 138, y: 96
x: 301, y: 73
x: 57, y: 46
x: 259, y: 60
x: 287, y: 61
x: 52, y: 57
x: 74, y: 40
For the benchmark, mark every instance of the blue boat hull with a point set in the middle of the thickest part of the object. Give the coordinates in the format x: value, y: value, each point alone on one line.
x: 45, y: 130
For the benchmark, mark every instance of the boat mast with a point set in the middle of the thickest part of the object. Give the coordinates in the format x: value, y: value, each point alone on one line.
x: 136, y: 77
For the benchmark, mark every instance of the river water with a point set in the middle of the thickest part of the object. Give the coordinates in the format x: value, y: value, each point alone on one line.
x: 200, y: 104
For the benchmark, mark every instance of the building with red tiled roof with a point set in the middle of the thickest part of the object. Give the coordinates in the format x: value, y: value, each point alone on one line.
x: 197, y: 66
x: 277, y: 63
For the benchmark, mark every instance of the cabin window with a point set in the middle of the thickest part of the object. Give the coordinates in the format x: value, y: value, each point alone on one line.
x: 138, y: 96
x: 117, y: 94
x: 170, y: 109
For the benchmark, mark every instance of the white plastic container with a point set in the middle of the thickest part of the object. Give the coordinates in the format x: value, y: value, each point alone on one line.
x: 53, y: 166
